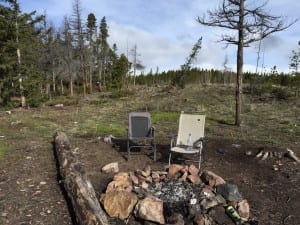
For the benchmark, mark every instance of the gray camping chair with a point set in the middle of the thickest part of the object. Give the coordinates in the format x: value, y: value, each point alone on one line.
x: 140, y: 130
x: 191, y: 129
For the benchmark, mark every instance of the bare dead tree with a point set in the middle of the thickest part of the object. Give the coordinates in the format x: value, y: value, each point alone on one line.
x: 79, y: 40
x: 136, y: 64
x: 252, y: 23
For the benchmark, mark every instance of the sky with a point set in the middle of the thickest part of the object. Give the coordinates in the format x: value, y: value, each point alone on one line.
x: 165, y: 31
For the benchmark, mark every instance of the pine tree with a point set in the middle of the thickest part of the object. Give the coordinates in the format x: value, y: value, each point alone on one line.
x: 19, y: 52
x: 103, y: 48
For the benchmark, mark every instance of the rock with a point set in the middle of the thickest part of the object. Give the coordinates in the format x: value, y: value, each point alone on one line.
x: 185, y: 169
x: 292, y: 155
x: 193, y: 170
x: 149, y: 179
x: 248, y: 153
x: 175, y: 219
x: 59, y: 105
x: 244, y: 209
x: 144, y: 185
x: 120, y: 185
x: 219, y: 215
x: 155, y: 176
x: 207, y: 191
x: 121, y: 176
x: 119, y: 203
x: 220, y: 199
x: 208, y: 203
x: 236, y: 145
x: 111, y: 168
x: 195, y: 179
x: 174, y: 171
x: 147, y: 171
x: 229, y: 191
x: 134, y: 178
x: 201, y: 219
x: 151, y: 209
x: 211, y: 178
x: 183, y: 177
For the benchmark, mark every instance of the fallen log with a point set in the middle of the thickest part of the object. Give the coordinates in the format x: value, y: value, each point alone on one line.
x: 79, y: 189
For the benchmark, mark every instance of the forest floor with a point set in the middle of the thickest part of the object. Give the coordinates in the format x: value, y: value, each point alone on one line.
x: 30, y: 193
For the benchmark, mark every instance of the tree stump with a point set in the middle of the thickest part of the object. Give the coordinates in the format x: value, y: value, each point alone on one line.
x: 78, y: 187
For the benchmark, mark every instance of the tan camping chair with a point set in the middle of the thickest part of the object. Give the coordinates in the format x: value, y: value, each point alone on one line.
x: 140, y: 130
x: 190, y: 136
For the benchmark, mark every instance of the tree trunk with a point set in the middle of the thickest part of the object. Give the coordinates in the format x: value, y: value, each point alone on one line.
x: 53, y: 81
x: 78, y: 187
x: 100, y: 76
x: 240, y: 62
x: 71, y: 88
x: 62, y: 87
x: 83, y: 75
x: 91, y: 80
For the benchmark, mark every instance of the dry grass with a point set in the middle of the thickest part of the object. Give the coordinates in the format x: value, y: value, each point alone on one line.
x: 273, y: 123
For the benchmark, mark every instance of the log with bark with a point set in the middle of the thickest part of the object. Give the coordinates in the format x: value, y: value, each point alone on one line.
x: 79, y: 189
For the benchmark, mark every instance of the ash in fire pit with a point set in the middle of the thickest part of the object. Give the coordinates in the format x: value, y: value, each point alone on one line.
x: 180, y: 196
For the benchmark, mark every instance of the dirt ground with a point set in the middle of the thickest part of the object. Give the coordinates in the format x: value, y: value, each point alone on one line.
x: 31, y: 195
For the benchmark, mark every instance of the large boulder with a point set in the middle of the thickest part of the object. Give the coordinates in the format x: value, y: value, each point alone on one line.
x: 150, y: 208
x: 119, y: 203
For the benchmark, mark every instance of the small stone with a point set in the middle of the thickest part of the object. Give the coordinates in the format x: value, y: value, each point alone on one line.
x: 244, y: 210
x: 236, y: 145
x: 209, y: 203
x: 134, y: 178
x: 195, y: 179
x: 147, y: 171
x: 49, y: 211
x: 3, y: 214
x: 248, y: 153
x: 275, y: 168
x: 43, y: 182
x: 111, y: 168
x: 211, y: 178
x: 201, y: 219
x: 144, y: 185
x: 193, y: 170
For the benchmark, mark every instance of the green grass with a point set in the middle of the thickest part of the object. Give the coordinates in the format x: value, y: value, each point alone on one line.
x: 270, y: 122
x: 3, y: 150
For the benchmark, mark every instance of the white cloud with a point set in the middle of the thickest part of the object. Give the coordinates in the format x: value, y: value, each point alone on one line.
x: 165, y: 31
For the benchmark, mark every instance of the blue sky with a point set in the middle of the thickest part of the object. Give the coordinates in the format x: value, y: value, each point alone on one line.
x: 166, y: 30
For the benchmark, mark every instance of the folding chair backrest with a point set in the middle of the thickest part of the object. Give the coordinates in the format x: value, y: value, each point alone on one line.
x: 139, y: 125
x: 190, y: 124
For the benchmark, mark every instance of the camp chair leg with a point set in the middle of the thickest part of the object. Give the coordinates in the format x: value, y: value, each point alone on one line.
x: 170, y: 155
x: 200, y: 153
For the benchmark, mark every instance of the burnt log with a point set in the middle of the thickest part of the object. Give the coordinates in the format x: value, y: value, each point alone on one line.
x: 79, y: 189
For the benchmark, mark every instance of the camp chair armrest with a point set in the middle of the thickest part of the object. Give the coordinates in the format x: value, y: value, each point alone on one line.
x: 200, y: 141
